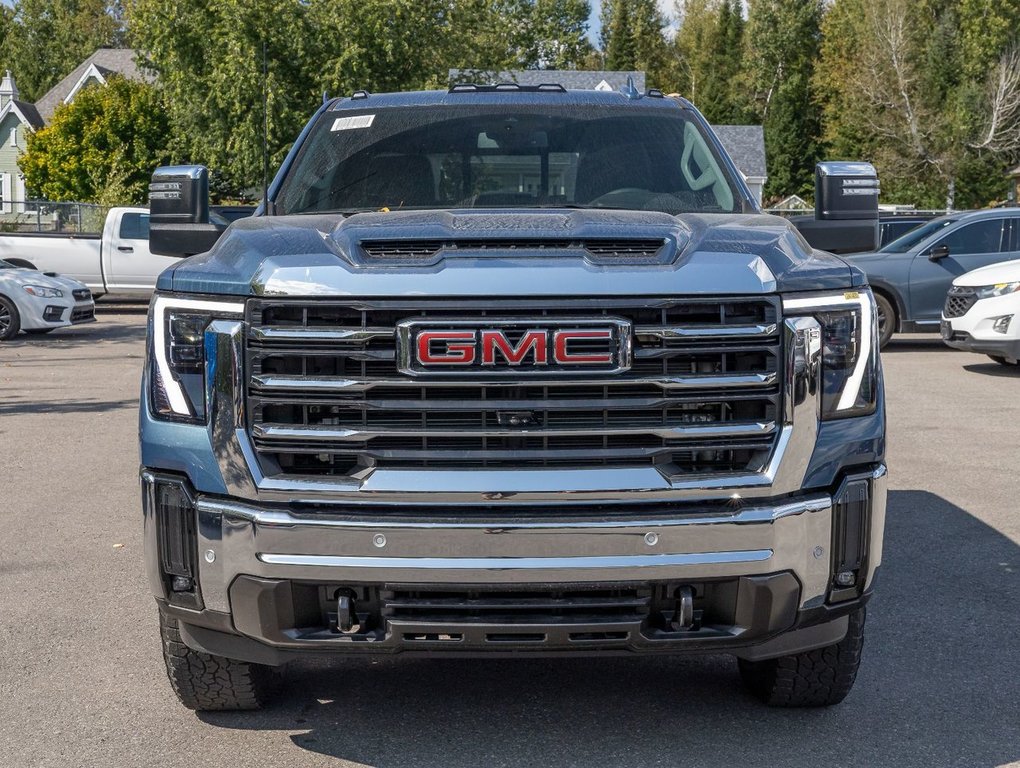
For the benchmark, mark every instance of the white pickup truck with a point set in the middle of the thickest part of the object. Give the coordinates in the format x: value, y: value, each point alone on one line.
x: 116, y: 261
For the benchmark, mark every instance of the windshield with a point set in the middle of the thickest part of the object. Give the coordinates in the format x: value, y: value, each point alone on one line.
x: 508, y: 156
x: 914, y: 236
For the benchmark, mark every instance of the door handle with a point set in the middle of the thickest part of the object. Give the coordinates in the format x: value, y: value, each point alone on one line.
x: 125, y: 248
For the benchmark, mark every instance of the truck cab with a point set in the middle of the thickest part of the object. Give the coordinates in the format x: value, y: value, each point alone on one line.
x: 508, y: 371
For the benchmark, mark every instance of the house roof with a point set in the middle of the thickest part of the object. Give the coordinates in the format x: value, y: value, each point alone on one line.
x: 571, y: 79
x: 746, y: 146
x: 105, y: 62
x: 26, y: 113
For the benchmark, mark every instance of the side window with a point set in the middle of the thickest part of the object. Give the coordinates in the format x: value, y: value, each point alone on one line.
x: 979, y: 237
x: 1014, y: 226
x: 134, y: 226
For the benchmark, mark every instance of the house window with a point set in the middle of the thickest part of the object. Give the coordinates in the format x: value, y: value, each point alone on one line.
x: 5, y: 192
x: 14, y: 136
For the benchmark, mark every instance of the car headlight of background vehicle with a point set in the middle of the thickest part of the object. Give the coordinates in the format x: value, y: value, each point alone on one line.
x: 849, y: 350
x: 43, y: 292
x: 999, y: 289
x: 177, y: 337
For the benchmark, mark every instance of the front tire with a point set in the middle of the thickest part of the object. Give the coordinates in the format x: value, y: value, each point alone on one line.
x: 206, y: 683
x: 818, y: 678
x: 886, y: 319
x: 10, y: 319
x: 1004, y: 361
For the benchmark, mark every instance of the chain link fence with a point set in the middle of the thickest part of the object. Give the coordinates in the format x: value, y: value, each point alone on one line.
x: 41, y: 217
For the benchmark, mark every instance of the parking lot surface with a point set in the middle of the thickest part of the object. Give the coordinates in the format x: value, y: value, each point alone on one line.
x: 82, y: 681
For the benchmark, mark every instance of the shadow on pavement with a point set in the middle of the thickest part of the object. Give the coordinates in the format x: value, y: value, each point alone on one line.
x: 910, y: 342
x: 62, y: 406
x: 992, y: 368
x: 93, y: 333
x: 938, y: 685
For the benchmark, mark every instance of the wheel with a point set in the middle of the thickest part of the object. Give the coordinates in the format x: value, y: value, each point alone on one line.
x: 1003, y: 361
x: 38, y: 331
x: 203, y: 682
x: 886, y: 319
x: 10, y: 319
x: 818, y: 678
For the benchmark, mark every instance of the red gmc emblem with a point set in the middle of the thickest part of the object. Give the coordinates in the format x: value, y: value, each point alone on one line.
x: 492, y: 345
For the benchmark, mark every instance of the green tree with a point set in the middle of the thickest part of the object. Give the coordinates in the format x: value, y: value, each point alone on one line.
x: 632, y: 39
x: 100, y: 148
x: 47, y: 39
x: 929, y: 91
x: 783, y: 42
x: 208, y: 58
x: 708, y: 55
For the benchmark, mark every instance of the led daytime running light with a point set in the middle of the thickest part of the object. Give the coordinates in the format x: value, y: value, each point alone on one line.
x: 174, y: 393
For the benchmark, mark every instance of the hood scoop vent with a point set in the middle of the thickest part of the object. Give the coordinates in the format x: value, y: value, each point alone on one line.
x: 613, y: 250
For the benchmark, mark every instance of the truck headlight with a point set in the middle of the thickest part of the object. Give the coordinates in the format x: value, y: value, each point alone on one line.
x: 177, y: 333
x: 999, y: 289
x: 43, y: 292
x: 849, y: 327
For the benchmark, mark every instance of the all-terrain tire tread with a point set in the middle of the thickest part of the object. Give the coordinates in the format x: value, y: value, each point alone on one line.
x: 817, y: 678
x: 204, y: 682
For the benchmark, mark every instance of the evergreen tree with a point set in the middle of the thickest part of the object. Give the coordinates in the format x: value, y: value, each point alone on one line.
x: 783, y: 43
x: 632, y: 39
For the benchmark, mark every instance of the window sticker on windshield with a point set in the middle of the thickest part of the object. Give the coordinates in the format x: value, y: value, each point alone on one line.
x: 357, y: 121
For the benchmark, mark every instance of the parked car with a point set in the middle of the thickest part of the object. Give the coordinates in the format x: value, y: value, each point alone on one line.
x: 982, y: 313
x: 911, y: 275
x: 894, y: 226
x: 34, y: 302
x: 116, y: 261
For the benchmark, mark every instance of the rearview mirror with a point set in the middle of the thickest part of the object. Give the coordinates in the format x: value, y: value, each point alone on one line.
x: 179, y: 222
x: 938, y: 253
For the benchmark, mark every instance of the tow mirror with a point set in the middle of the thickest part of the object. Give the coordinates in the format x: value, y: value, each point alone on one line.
x: 938, y: 253
x: 846, y: 208
x: 179, y: 223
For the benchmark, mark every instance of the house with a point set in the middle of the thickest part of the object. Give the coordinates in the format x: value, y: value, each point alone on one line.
x: 745, y: 145
x: 19, y: 118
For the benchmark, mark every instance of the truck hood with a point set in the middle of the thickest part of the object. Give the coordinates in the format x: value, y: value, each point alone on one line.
x: 494, y: 253
x: 19, y: 276
x: 1003, y: 272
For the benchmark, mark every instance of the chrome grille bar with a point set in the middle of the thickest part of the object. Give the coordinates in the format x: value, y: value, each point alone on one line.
x: 324, y: 396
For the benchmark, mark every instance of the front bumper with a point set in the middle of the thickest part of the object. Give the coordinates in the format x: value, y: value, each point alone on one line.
x: 39, y: 313
x: 974, y: 330
x: 268, y: 577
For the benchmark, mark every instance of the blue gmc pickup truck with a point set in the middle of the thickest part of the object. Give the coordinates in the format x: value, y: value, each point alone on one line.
x: 508, y: 370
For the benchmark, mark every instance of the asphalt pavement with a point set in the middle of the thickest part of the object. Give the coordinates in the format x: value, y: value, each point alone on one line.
x: 82, y: 680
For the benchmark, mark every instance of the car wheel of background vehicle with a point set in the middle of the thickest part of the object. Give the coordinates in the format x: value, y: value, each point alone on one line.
x: 204, y: 682
x: 817, y: 678
x: 21, y: 263
x: 886, y: 319
x: 38, y: 331
x: 1003, y: 361
x: 10, y: 320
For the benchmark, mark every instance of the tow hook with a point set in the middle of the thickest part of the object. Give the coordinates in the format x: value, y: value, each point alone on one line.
x: 346, y: 614
x: 684, y: 616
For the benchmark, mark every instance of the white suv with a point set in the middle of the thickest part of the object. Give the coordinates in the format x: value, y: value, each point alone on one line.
x: 982, y: 312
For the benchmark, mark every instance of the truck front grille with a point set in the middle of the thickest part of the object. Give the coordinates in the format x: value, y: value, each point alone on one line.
x: 325, y: 397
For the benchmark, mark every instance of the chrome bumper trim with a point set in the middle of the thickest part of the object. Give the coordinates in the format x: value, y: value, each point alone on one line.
x: 518, y: 563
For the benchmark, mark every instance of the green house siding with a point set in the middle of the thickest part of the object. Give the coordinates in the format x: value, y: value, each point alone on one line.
x: 13, y: 189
